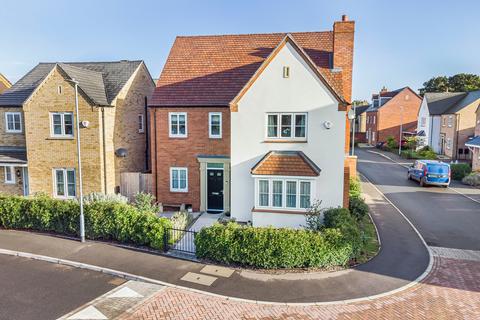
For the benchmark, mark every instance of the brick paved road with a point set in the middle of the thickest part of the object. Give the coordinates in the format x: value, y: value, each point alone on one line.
x: 451, y: 291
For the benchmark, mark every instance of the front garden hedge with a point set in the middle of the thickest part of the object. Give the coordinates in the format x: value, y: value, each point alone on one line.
x: 273, y: 247
x: 104, y: 220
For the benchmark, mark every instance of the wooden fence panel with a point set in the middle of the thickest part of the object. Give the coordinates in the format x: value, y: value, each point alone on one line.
x: 133, y: 182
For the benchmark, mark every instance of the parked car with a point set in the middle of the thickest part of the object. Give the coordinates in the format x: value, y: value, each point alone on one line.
x: 430, y: 172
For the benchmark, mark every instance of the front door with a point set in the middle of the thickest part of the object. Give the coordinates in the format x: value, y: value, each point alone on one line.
x: 214, y: 190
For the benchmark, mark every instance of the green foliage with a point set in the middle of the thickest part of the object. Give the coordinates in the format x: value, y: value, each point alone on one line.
x: 460, y: 170
x: 458, y: 83
x: 473, y: 179
x: 106, y: 220
x: 358, y: 208
x: 101, y: 197
x: 181, y: 220
x: 355, y: 190
x: 391, y: 143
x: 273, y: 248
x: 411, y: 143
x: 145, y: 202
x: 314, y: 217
x: 424, y: 153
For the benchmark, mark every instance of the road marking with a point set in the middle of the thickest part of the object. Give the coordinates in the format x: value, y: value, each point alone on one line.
x: 89, y: 313
x: 459, y: 254
x: 125, y: 292
x: 199, y: 278
x: 217, y: 271
x: 387, y: 157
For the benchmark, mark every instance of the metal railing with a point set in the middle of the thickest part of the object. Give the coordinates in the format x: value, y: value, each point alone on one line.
x: 179, y: 240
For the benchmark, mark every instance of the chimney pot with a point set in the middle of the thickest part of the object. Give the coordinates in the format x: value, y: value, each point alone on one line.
x: 344, y: 18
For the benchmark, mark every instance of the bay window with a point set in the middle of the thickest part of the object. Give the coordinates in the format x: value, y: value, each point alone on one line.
x: 283, y: 193
x: 290, y: 126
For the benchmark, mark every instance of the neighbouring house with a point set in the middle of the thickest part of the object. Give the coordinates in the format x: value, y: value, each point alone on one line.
x: 360, y: 123
x: 38, y: 150
x: 4, y: 83
x: 254, y: 124
x: 446, y: 122
x: 391, y: 112
x: 474, y: 144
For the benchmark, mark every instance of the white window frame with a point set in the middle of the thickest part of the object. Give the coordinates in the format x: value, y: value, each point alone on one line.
x: 65, y: 183
x: 178, y: 135
x: 13, y: 114
x: 141, y: 123
x: 10, y: 169
x: 62, y: 121
x: 292, y: 126
x: 373, y: 135
x: 450, y: 121
x: 284, y: 179
x: 172, y: 189
x: 210, y: 134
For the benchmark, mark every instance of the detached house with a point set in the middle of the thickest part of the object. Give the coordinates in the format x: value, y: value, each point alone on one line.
x: 446, y: 122
x: 391, y: 111
x: 254, y: 124
x: 38, y: 136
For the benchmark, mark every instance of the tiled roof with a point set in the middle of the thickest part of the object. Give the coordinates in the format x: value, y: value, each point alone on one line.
x: 475, y: 142
x: 212, y: 70
x: 101, y: 81
x: 286, y: 163
x: 450, y: 102
x: 13, y: 155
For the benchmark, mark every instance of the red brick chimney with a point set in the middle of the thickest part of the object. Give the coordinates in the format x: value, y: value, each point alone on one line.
x: 343, y: 38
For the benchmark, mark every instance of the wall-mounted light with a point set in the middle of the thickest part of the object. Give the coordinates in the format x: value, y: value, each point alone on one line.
x: 328, y: 124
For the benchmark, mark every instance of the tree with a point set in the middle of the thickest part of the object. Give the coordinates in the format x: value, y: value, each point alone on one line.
x: 461, y: 82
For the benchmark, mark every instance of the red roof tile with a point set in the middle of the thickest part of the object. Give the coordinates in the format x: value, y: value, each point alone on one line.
x: 286, y: 163
x: 212, y: 70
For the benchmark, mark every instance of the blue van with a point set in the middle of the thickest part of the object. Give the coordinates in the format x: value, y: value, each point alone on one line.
x: 430, y: 172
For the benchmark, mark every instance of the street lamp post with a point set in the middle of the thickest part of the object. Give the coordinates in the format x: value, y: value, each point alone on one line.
x: 79, y: 159
x: 401, y: 132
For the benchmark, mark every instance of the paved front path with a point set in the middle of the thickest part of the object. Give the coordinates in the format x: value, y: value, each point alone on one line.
x: 451, y: 291
x: 402, y: 259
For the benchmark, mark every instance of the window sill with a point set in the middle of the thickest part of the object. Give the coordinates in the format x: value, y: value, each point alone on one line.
x: 10, y: 183
x: 285, y: 141
x: 178, y: 191
x: 14, y: 132
x: 60, y: 138
x: 281, y: 211
x: 178, y: 137
x: 215, y: 138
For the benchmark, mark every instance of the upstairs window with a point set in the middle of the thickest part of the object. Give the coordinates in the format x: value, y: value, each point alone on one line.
x: 177, y: 124
x: 13, y: 122
x: 64, y: 183
x: 215, y: 125
x: 291, y: 126
x: 61, y: 124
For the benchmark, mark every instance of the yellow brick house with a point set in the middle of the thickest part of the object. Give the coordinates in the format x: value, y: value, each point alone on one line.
x: 38, y: 132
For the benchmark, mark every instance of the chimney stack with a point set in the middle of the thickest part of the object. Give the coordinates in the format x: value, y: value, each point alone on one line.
x: 343, y: 34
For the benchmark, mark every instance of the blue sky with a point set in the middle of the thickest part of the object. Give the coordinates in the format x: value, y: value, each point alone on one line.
x: 397, y: 43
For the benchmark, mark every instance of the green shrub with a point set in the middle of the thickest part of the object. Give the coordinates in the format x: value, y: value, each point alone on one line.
x: 101, y: 197
x: 271, y: 247
x: 391, y: 143
x: 146, y: 202
x: 106, y: 220
x: 421, y: 154
x: 460, y: 170
x: 473, y: 179
x: 181, y: 220
x: 355, y: 190
x: 358, y: 208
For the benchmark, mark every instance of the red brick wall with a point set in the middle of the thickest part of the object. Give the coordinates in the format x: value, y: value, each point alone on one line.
x: 343, y: 41
x: 390, y: 115
x: 346, y: 186
x: 169, y: 152
x: 372, y: 127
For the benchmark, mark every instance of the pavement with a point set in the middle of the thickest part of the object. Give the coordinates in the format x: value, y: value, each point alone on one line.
x: 42, y: 290
x: 403, y: 258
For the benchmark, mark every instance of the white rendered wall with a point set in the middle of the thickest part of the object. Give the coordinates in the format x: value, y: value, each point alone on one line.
x: 278, y: 220
x: 435, y: 134
x: 301, y: 92
x: 423, y: 113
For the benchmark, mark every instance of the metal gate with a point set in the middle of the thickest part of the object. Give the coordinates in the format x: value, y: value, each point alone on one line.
x: 179, y: 240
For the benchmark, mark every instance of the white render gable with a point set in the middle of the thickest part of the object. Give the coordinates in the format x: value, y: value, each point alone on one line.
x: 301, y: 92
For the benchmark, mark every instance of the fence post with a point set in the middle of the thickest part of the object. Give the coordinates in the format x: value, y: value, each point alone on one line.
x: 165, y: 240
